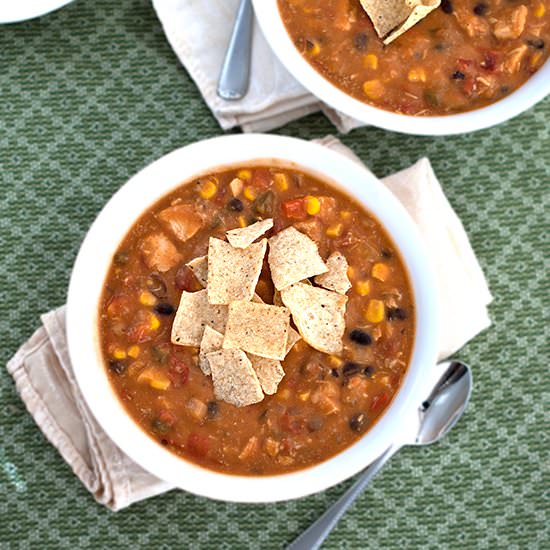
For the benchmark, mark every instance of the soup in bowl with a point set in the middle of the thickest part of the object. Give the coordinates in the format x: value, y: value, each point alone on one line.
x: 252, y: 318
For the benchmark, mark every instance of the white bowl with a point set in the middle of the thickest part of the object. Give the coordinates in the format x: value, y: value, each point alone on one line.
x: 112, y: 224
x: 272, y: 25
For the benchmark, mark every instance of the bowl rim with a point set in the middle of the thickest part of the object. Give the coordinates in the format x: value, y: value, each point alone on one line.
x: 536, y: 88
x: 131, y: 201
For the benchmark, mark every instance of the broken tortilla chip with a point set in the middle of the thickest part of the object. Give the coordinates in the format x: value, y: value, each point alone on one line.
x: 212, y: 340
x: 199, y: 267
x: 234, y: 379
x: 194, y: 313
x: 318, y: 314
x: 391, y: 18
x: 260, y: 329
x: 269, y: 372
x: 233, y: 273
x: 245, y: 236
x: 292, y: 257
x: 336, y: 278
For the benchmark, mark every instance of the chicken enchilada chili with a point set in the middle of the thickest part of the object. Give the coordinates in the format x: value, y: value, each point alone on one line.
x: 464, y: 55
x: 278, y: 362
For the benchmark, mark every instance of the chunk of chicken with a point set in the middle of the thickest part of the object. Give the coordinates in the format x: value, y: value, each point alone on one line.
x: 312, y: 228
x: 470, y: 23
x: 512, y: 24
x: 159, y: 253
x: 182, y: 219
x: 512, y: 62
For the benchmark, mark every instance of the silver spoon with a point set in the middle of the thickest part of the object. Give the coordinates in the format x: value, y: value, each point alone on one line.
x: 438, y: 413
x: 234, y: 76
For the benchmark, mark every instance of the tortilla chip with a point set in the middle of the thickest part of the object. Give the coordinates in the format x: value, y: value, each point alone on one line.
x: 391, y: 18
x: 337, y: 276
x: 245, y: 236
x: 233, y: 273
x: 269, y: 372
x: 292, y: 257
x: 212, y: 340
x: 261, y: 329
x: 199, y: 267
x: 234, y: 379
x: 318, y: 314
x: 194, y: 313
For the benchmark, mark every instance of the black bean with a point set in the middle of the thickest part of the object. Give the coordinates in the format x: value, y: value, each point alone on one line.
x: 393, y: 313
x: 212, y: 409
x: 360, y: 41
x: 159, y: 426
x: 481, y: 8
x: 235, y: 205
x: 156, y: 286
x: 335, y: 373
x: 164, y: 308
x: 368, y: 371
x: 118, y: 367
x: 447, y: 6
x: 537, y: 43
x: 351, y: 368
x: 386, y: 253
x: 360, y: 337
x: 358, y: 422
x: 458, y: 75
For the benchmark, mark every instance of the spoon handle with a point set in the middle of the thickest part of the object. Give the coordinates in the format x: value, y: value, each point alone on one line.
x: 234, y: 76
x: 317, y: 532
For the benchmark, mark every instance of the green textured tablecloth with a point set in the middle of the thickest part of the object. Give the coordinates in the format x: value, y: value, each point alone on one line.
x: 91, y: 94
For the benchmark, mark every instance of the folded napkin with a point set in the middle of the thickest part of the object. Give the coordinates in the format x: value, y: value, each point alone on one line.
x: 45, y: 380
x: 199, y: 33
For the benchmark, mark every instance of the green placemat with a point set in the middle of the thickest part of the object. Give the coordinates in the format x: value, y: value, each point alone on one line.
x: 91, y: 94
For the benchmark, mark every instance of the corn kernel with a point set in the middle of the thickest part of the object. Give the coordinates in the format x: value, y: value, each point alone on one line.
x: 244, y: 174
x: 146, y: 298
x: 313, y: 48
x: 242, y: 221
x: 375, y: 311
x: 362, y: 287
x: 133, y: 352
x: 334, y: 230
x: 284, y: 394
x: 303, y: 396
x: 154, y: 322
x: 281, y: 181
x: 159, y: 383
x: 155, y: 378
x: 208, y: 188
x: 417, y: 75
x: 351, y: 272
x: 249, y: 193
x: 345, y: 214
x: 119, y: 354
x: 539, y: 10
x: 313, y: 205
x: 370, y: 61
x: 373, y: 89
x: 380, y: 271
x: 335, y: 361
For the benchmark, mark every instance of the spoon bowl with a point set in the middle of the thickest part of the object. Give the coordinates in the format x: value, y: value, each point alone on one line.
x: 437, y: 414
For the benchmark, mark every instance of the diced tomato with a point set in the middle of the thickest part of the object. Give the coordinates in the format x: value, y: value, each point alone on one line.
x: 178, y: 372
x: 168, y: 417
x: 138, y: 333
x: 295, y: 209
x: 261, y: 178
x: 463, y: 64
x: 292, y: 424
x: 490, y: 60
x: 379, y: 402
x: 118, y: 306
x: 198, y: 445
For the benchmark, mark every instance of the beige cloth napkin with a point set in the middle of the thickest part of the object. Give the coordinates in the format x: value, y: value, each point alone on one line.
x: 44, y: 378
x: 199, y: 33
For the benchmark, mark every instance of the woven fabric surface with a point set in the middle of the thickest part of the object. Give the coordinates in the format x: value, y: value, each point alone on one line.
x: 92, y: 93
